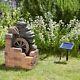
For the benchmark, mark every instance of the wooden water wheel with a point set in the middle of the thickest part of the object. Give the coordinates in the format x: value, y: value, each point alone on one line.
x: 23, y: 37
x: 21, y: 43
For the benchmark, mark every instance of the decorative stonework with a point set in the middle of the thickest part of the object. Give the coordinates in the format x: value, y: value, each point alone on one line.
x: 14, y: 57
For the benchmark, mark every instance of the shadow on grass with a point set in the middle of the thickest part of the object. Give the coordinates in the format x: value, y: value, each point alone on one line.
x: 45, y: 54
x: 4, y: 68
x: 60, y: 62
x: 43, y: 57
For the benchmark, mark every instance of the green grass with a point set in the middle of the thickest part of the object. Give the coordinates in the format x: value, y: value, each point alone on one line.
x: 46, y: 69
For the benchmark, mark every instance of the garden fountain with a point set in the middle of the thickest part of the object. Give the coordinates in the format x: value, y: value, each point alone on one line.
x: 20, y: 49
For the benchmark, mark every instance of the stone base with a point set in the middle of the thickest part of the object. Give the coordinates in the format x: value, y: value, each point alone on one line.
x: 15, y: 58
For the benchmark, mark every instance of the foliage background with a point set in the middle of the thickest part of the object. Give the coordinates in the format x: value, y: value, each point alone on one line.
x: 64, y: 10
x: 8, y: 18
x: 53, y: 22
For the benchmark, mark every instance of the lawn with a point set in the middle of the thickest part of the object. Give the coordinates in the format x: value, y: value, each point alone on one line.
x: 46, y: 69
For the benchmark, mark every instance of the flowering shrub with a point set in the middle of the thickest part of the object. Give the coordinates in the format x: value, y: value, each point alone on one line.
x: 6, y: 20
x: 2, y: 36
x: 73, y: 35
x: 48, y: 36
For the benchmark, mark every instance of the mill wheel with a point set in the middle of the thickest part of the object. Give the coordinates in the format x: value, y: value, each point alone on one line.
x: 21, y: 43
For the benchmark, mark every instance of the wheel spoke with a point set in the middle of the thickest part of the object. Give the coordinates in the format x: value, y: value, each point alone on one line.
x: 20, y: 43
x: 16, y: 43
x: 23, y: 44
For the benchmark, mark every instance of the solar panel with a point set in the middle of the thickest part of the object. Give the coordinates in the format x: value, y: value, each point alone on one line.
x: 67, y: 45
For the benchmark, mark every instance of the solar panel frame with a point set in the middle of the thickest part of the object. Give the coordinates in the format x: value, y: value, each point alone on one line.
x: 67, y: 45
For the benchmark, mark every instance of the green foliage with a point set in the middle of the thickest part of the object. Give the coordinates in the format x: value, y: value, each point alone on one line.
x: 5, y: 9
x: 9, y: 16
x: 49, y: 36
x: 4, y: 21
x: 38, y: 7
x: 48, y: 33
x: 64, y: 10
x: 67, y: 9
x: 7, y: 19
x: 2, y: 36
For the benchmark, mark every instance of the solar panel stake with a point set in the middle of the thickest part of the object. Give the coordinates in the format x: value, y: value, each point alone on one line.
x: 60, y: 57
x: 67, y: 55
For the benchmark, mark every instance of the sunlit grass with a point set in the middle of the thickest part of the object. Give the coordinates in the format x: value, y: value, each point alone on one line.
x: 46, y: 69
